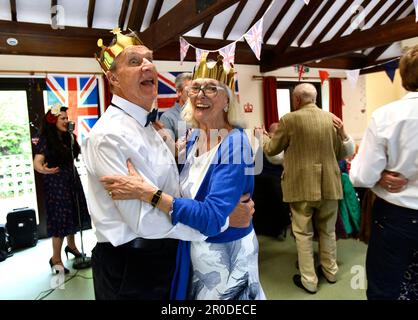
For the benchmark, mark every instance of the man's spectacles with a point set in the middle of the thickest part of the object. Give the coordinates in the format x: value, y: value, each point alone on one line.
x: 208, y: 90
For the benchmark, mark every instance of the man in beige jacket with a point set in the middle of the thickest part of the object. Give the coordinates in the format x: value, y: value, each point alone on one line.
x: 311, y: 180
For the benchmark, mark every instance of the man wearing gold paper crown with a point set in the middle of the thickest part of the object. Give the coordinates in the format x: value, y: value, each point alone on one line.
x: 218, y: 170
x: 135, y: 256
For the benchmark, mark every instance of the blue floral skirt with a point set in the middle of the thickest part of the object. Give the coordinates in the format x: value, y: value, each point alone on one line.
x: 226, y: 271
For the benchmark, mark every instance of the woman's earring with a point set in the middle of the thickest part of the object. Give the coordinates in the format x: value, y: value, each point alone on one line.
x: 226, y: 109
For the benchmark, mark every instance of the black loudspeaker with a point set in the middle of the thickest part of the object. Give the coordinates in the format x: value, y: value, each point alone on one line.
x: 21, y: 227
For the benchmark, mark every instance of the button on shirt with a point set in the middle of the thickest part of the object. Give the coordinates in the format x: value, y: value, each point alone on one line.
x: 119, y: 135
x: 390, y: 143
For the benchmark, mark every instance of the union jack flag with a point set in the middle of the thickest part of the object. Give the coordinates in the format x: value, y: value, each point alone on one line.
x: 228, y: 54
x: 166, y: 90
x: 254, y: 37
x: 80, y: 95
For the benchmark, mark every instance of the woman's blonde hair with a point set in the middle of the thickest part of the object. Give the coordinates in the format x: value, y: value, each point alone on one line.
x: 233, y: 116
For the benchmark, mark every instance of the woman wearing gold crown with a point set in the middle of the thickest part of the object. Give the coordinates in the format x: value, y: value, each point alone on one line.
x: 217, y: 171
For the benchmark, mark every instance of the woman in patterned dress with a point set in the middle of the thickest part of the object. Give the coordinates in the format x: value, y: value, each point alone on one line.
x: 62, y: 187
x: 217, y: 171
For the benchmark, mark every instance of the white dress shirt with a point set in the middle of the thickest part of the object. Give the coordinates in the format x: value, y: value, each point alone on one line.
x: 117, y: 136
x: 390, y: 143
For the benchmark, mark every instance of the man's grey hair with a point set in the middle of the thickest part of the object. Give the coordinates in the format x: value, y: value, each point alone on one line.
x: 181, y: 78
x: 306, y: 92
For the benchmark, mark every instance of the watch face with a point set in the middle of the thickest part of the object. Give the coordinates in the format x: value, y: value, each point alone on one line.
x: 156, y: 198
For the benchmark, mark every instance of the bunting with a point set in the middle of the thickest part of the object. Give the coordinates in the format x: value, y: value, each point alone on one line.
x: 184, y: 47
x: 254, y: 37
x: 352, y: 77
x: 228, y: 54
x: 390, y: 68
x: 306, y: 2
x: 301, y: 71
x: 416, y: 10
x: 323, y: 75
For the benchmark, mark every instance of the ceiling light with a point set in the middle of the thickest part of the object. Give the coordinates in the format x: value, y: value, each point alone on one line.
x: 12, y: 41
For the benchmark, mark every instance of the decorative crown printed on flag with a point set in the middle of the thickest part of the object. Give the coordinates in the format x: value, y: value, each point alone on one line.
x: 118, y: 44
x: 215, y: 70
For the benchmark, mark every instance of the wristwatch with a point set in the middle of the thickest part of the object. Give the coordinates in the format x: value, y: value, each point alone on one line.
x: 156, y: 197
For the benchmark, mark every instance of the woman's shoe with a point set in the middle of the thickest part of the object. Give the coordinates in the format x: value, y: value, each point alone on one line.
x: 54, y: 268
x: 74, y: 253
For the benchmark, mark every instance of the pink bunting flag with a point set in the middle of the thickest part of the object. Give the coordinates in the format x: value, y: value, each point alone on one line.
x: 228, y: 54
x: 254, y: 37
x: 200, y: 54
x: 184, y: 47
x: 416, y: 10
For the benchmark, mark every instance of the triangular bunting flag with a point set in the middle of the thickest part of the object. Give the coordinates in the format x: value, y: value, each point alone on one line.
x: 254, y: 37
x: 416, y: 10
x: 200, y: 54
x: 390, y: 68
x: 323, y: 75
x: 306, y: 2
x: 301, y: 70
x: 228, y: 54
x: 352, y: 76
x: 184, y: 47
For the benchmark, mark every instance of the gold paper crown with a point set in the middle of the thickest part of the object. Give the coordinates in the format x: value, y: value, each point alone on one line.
x: 215, y: 70
x: 118, y: 44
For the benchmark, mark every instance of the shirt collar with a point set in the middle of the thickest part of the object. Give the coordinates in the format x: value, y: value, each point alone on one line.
x: 178, y: 107
x: 411, y: 95
x: 135, y: 111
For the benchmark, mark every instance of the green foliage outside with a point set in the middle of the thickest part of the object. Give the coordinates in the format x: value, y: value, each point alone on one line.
x: 12, y: 138
x: 14, y: 128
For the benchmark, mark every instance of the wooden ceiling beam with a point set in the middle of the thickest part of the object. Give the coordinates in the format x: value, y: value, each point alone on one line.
x: 377, y: 52
x: 123, y: 13
x: 277, y: 20
x: 13, y: 12
x: 386, y: 13
x: 379, y: 35
x: 205, y: 27
x: 296, y: 26
x: 332, y: 22
x: 347, y: 24
x: 168, y: 29
x: 260, y: 12
x: 157, y: 10
x: 349, y: 62
x: 137, y: 14
x: 315, y: 22
x: 234, y: 18
x: 42, y: 40
x: 90, y: 14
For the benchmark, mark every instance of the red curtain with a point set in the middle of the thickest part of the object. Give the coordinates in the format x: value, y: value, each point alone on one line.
x: 270, y: 101
x: 335, y: 97
x: 107, y: 94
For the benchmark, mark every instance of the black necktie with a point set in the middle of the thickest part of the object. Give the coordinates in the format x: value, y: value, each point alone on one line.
x: 152, y: 116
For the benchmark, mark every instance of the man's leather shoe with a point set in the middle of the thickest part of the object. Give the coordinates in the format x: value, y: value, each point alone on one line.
x: 297, y: 280
x: 321, y: 273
